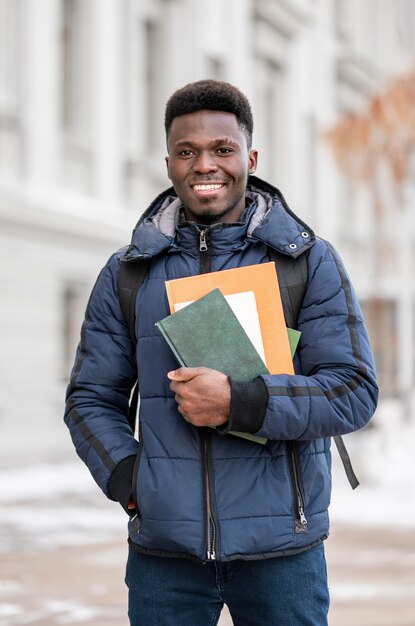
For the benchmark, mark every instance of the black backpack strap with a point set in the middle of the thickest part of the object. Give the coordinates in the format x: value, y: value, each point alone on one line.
x: 345, y: 459
x: 131, y: 277
x: 292, y: 279
x: 132, y: 274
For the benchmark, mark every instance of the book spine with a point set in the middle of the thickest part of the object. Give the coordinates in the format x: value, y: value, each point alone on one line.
x: 170, y: 343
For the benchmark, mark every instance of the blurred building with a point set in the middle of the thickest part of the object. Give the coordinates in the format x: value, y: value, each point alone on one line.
x: 83, y: 84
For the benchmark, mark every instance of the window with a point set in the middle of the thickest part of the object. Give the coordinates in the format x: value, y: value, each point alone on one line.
x: 74, y: 299
x: 343, y: 18
x: 311, y: 139
x: 10, y: 23
x: 381, y: 319
x: 151, y: 51
x: 76, y: 70
x: 270, y: 118
x: 10, y: 93
x: 215, y: 68
x: 405, y: 23
x: 144, y: 83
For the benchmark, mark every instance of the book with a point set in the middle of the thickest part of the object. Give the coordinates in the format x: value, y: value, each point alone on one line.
x: 244, y: 307
x: 293, y: 339
x: 207, y: 333
x: 260, y: 280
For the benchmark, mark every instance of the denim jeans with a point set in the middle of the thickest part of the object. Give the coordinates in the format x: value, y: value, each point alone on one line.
x: 283, y: 591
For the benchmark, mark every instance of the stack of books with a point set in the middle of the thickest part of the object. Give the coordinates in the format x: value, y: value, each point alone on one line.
x: 231, y: 321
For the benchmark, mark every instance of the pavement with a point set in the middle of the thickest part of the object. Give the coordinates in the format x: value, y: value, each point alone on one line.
x: 371, y: 576
x: 371, y: 573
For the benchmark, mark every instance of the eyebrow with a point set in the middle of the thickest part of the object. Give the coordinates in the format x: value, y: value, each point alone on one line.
x: 215, y: 142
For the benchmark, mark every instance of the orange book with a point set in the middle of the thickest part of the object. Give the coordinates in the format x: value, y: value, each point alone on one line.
x: 260, y: 280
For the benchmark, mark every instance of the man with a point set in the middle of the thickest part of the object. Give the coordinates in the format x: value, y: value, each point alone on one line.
x: 214, y: 518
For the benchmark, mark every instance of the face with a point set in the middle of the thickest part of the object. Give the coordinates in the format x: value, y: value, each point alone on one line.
x: 208, y: 163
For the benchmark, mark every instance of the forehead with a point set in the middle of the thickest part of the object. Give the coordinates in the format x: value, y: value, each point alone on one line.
x: 204, y: 126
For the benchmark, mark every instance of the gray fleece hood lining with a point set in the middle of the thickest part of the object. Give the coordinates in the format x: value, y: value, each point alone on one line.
x: 167, y: 217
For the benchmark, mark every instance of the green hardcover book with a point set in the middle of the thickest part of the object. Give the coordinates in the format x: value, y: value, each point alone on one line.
x: 293, y: 339
x: 207, y: 333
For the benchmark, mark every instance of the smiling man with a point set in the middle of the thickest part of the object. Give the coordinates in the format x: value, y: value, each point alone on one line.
x: 215, y: 518
x: 209, y: 171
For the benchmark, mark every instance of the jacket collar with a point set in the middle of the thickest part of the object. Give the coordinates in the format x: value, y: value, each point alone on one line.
x: 271, y: 222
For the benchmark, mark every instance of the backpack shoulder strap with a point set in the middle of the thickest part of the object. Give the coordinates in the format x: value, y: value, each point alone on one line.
x: 292, y: 279
x: 345, y: 459
x: 131, y: 277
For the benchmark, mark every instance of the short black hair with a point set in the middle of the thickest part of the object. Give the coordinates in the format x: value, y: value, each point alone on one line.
x: 215, y: 95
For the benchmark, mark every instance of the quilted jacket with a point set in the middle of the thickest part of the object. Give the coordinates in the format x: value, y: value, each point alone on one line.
x: 200, y: 493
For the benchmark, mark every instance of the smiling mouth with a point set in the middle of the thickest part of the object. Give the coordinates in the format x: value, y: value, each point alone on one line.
x: 207, y: 187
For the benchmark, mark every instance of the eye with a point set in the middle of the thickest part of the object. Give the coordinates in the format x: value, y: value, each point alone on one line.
x: 225, y: 150
x: 185, y: 153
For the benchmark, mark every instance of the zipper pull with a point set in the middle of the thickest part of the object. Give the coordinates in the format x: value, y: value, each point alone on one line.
x: 211, y: 556
x: 301, y: 524
x: 202, y: 241
x: 303, y: 519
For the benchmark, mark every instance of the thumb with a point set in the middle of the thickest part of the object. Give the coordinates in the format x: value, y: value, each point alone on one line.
x: 183, y: 374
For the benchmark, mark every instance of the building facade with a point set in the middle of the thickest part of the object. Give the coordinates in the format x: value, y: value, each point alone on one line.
x: 83, y: 85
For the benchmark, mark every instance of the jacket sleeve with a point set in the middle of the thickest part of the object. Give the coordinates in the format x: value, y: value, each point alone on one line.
x: 334, y: 391
x: 97, y: 397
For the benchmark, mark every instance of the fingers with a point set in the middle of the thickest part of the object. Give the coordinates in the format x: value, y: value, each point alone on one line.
x: 181, y: 411
x: 202, y: 395
x: 180, y: 401
x: 184, y: 374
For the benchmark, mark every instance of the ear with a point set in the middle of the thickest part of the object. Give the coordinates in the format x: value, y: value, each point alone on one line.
x: 167, y: 166
x: 252, y: 161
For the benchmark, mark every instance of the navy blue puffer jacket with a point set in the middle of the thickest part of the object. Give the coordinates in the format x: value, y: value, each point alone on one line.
x: 203, y: 494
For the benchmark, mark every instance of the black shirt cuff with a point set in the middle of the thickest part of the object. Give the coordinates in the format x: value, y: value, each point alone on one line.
x: 249, y: 403
x: 120, y: 484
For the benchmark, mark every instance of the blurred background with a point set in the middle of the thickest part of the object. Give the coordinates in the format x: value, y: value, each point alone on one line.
x: 83, y: 85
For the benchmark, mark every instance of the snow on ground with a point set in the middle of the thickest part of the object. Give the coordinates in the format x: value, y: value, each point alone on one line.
x: 45, y: 481
x: 384, y: 460
x: 55, y: 504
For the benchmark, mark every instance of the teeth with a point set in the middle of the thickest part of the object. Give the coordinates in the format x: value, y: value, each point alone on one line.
x: 207, y: 187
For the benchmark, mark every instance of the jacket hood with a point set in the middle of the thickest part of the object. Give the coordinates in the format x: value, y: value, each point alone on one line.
x: 272, y: 222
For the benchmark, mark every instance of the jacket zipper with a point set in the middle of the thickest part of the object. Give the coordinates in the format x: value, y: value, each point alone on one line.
x: 205, y: 251
x: 202, y: 241
x: 205, y: 435
x: 300, y: 519
x: 136, y: 519
x: 210, y: 520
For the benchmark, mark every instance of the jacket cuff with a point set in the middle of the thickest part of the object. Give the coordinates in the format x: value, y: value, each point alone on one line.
x: 249, y: 401
x: 120, y: 484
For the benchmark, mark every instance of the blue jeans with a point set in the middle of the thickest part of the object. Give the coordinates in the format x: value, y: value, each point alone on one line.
x: 283, y: 591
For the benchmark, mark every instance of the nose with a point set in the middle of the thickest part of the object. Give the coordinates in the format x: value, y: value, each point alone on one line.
x: 204, y: 163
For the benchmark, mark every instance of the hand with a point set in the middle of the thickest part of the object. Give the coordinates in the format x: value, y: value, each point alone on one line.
x: 203, y: 395
x: 131, y: 505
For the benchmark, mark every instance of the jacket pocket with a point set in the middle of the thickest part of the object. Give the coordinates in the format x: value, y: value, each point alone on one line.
x: 300, y: 525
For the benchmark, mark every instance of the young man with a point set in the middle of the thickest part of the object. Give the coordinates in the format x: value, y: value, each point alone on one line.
x: 214, y: 518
